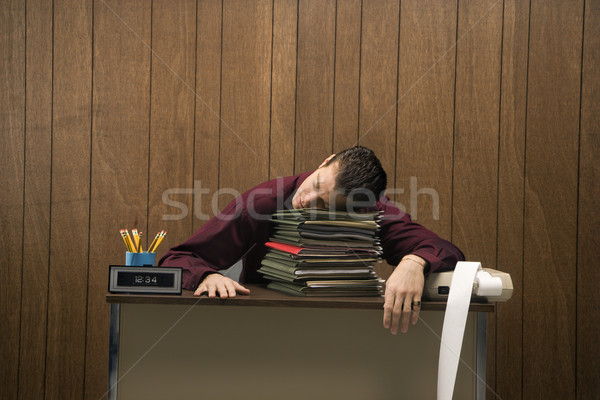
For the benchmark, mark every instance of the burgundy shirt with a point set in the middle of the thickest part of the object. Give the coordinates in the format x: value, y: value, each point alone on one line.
x: 242, y: 228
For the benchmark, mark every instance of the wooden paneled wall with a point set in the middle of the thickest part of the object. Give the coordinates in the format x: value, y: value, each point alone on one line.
x: 485, y: 114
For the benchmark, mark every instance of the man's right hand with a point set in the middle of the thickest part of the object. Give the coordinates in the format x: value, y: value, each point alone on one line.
x: 224, y: 286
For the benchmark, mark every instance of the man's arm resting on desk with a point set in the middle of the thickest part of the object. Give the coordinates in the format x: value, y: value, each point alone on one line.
x: 402, y: 288
x: 217, y: 283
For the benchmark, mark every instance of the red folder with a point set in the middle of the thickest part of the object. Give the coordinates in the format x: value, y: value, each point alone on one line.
x: 288, y: 248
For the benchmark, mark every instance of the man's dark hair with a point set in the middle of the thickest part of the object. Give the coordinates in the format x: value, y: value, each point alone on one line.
x: 359, y: 172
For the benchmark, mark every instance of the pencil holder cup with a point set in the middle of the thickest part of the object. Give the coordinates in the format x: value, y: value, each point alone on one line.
x: 139, y: 259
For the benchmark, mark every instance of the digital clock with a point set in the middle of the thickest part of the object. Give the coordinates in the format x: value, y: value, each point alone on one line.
x: 149, y: 280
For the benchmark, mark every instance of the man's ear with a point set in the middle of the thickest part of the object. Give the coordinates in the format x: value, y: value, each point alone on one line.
x: 324, y: 163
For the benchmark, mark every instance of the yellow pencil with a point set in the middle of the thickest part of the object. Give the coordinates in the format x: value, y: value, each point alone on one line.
x: 136, y: 240
x: 161, y: 235
x: 140, y: 242
x: 153, y: 246
x: 160, y: 239
x: 153, y: 242
x: 129, y: 241
x: 122, y: 232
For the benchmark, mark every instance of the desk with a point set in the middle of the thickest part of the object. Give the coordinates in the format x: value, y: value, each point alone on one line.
x: 269, y: 345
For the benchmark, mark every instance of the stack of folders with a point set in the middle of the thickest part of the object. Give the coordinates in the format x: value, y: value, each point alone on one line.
x: 316, y: 252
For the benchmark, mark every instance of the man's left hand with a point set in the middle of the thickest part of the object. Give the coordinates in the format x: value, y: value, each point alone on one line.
x: 404, y: 288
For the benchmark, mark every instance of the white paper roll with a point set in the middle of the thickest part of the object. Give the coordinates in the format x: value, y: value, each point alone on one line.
x: 453, y: 329
x: 487, y: 285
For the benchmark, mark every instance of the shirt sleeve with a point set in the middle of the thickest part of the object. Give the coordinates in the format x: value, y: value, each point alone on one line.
x: 401, y: 236
x: 217, y: 245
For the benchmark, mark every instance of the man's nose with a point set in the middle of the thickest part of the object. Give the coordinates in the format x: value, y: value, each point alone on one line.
x: 311, y: 199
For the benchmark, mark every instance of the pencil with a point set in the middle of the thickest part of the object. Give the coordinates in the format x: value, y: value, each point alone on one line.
x: 129, y: 241
x: 153, y: 242
x: 125, y: 237
x: 140, y: 242
x: 159, y: 238
x: 136, y: 240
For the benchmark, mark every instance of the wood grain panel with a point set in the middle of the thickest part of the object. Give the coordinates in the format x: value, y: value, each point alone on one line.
x: 36, y: 221
x: 283, y: 95
x: 314, y: 101
x: 424, y: 138
x: 475, y: 168
x: 379, y: 80
x: 119, y: 182
x: 551, y: 198
x: 476, y: 129
x: 588, y: 230
x: 172, y: 120
x: 246, y: 94
x: 511, y: 153
x: 347, y: 74
x: 208, y: 108
x: 12, y: 137
x: 68, y: 270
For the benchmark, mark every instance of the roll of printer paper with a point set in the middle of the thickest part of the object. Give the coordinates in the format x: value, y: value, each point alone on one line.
x: 455, y: 320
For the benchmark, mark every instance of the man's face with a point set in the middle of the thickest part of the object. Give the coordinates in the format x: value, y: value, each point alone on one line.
x: 318, y: 190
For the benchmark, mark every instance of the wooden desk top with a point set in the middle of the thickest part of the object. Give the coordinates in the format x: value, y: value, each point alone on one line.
x: 262, y: 297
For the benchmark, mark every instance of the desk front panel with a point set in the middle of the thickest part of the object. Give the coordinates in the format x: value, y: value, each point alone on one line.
x: 208, y: 352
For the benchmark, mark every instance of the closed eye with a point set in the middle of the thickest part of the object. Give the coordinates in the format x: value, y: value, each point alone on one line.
x: 316, y: 182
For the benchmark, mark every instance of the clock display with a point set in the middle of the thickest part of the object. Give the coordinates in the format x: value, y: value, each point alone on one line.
x: 144, y: 279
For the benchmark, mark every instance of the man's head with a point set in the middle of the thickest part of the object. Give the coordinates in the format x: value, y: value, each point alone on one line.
x: 354, y: 174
